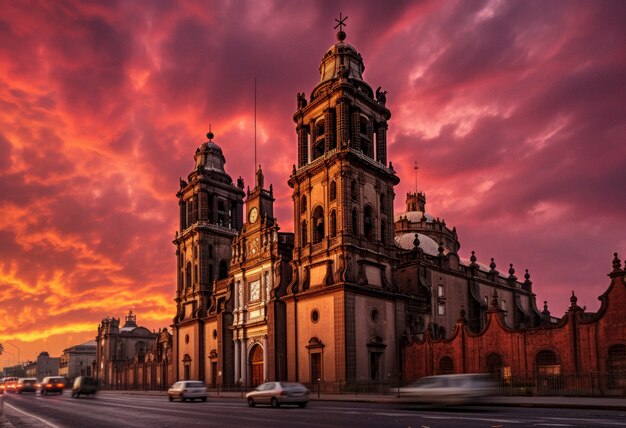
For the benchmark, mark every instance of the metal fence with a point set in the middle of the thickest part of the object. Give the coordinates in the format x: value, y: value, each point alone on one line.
x: 564, y: 384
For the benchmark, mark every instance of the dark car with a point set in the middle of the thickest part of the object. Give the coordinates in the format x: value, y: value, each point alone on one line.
x: 26, y: 384
x: 51, y: 384
x: 84, y: 385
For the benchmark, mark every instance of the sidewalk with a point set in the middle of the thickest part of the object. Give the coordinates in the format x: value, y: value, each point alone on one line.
x: 604, y: 403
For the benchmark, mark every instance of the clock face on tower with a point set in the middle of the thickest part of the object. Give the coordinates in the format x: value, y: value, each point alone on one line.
x: 253, y: 215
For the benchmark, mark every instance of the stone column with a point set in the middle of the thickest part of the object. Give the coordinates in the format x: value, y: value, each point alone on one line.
x: 356, y: 129
x: 303, y: 147
x: 343, y: 122
x: 243, y: 374
x: 265, y: 353
x: 329, y: 124
x: 237, y: 364
x: 381, y: 143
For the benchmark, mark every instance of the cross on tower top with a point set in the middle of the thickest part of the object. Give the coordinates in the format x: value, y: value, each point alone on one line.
x: 341, y: 35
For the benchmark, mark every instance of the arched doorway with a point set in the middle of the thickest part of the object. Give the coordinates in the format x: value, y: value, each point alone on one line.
x: 256, y: 366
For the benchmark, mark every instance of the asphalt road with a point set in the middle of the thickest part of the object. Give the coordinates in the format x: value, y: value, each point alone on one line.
x: 112, y: 410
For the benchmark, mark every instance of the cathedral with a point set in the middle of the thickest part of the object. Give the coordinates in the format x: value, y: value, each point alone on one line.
x: 337, y: 300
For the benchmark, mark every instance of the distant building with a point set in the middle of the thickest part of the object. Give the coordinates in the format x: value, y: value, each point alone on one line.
x: 14, y: 371
x: 43, y: 366
x: 132, y: 356
x: 78, y: 360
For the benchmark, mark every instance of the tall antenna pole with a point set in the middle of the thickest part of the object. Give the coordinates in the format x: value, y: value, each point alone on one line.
x: 255, y: 126
x: 416, y: 168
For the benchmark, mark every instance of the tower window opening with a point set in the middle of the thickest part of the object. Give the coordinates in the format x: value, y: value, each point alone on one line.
x: 368, y: 223
x: 223, y: 271
x: 318, y: 224
x: 354, y: 191
x: 303, y: 232
x: 318, y: 144
x: 333, y: 223
x: 382, y: 203
x: 221, y: 212
x: 333, y: 190
x: 383, y: 231
x: 355, y: 221
x: 188, y: 275
x: 303, y: 204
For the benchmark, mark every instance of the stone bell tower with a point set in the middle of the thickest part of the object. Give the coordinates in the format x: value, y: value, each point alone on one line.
x: 343, y: 300
x: 211, y: 214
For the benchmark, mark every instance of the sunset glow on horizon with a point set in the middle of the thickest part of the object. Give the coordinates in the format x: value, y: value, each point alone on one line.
x: 514, y: 112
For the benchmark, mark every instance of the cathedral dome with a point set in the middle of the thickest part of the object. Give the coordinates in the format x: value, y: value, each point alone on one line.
x: 342, y: 61
x: 209, y: 156
x: 426, y: 243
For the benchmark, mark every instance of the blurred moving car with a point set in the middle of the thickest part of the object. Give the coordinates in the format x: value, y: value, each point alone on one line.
x: 449, y: 389
x: 84, y: 385
x: 2, y: 386
x: 26, y: 384
x: 9, y: 383
x: 277, y: 393
x: 51, y: 384
x: 187, y: 389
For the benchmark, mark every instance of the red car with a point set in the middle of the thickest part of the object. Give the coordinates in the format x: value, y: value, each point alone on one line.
x: 51, y: 384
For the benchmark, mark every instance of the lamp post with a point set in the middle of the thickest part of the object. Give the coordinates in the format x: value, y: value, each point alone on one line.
x: 18, y: 351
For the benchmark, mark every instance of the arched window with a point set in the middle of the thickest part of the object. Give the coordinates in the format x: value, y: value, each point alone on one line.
x: 333, y: 223
x: 383, y: 232
x: 446, y: 365
x: 303, y: 204
x: 354, y: 191
x: 318, y: 224
x: 546, y: 363
x: 382, y: 203
x: 303, y: 232
x: 368, y: 223
x: 355, y: 222
x: 494, y: 364
x: 223, y: 273
x: 318, y: 145
x: 333, y: 190
x: 188, y: 275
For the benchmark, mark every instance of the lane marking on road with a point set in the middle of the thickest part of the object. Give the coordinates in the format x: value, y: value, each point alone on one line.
x: 505, y: 421
x: 30, y: 415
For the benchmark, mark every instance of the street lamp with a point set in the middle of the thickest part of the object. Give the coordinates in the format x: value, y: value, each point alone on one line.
x: 18, y: 351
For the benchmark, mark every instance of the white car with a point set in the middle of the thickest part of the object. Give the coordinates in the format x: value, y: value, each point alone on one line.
x: 187, y: 389
x: 448, y: 389
x: 277, y: 393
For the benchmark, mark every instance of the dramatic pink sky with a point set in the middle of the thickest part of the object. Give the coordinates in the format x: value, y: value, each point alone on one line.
x: 515, y: 111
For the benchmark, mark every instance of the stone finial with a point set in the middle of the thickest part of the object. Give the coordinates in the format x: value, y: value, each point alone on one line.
x: 512, y: 272
x: 440, y: 249
x: 492, y: 265
x: 573, y: 300
x: 545, y: 311
x: 473, y: 259
x: 416, y: 241
x: 527, y: 282
x: 617, y: 264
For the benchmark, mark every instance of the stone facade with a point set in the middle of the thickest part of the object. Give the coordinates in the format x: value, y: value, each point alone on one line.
x: 78, y: 360
x: 584, y: 353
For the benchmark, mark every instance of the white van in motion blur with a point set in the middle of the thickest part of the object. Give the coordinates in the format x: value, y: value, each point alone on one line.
x: 451, y: 389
